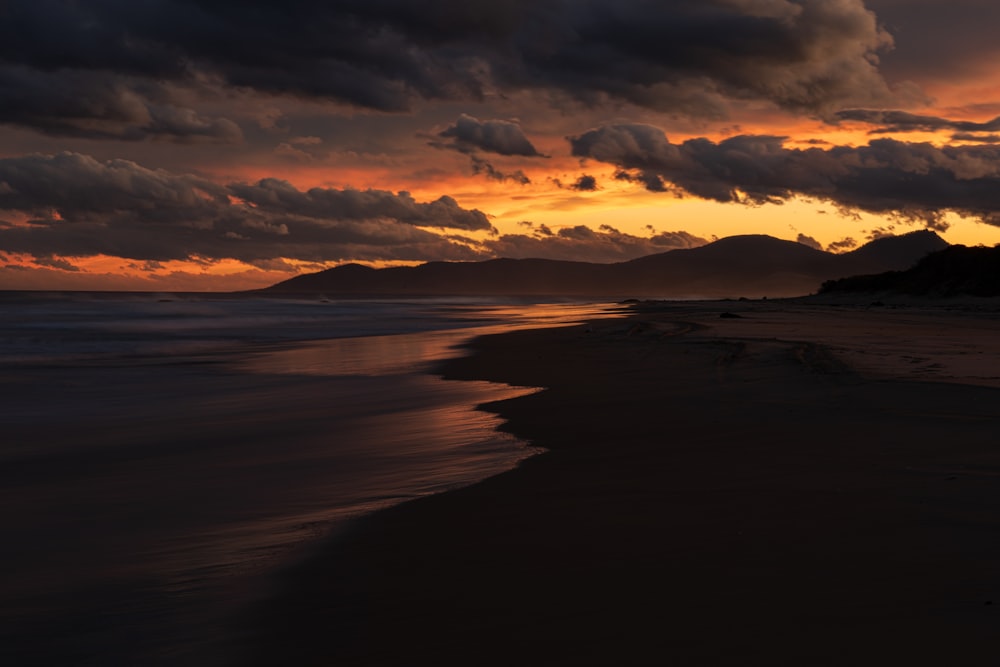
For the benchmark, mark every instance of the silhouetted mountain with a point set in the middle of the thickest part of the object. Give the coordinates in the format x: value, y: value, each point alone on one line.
x: 896, y: 253
x: 752, y: 266
x: 954, y: 271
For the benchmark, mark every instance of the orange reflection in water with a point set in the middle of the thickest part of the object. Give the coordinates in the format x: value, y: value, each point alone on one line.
x: 170, y: 495
x: 400, y: 353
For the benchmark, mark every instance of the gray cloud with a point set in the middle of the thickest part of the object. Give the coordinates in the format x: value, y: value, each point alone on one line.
x: 842, y: 245
x: 687, y: 56
x: 902, y: 121
x: 586, y: 183
x: 470, y: 135
x: 917, y: 181
x: 809, y: 241
x: 684, y: 56
x: 78, y: 206
x: 492, y: 136
x: 648, y: 179
x: 944, y: 39
x: 99, y: 105
x: 979, y: 138
x: 79, y: 188
x: 280, y: 197
x: 583, y: 244
x: 484, y: 167
x: 73, y: 205
x: 56, y: 263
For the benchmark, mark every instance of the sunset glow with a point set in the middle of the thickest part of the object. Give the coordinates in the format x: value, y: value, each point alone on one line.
x: 155, y: 161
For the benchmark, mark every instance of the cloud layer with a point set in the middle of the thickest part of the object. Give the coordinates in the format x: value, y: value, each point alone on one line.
x: 117, y: 68
x: 75, y: 205
x: 903, y: 121
x: 471, y: 136
x: 502, y: 137
x: 580, y: 243
x: 347, y: 92
x: 72, y: 205
x: 918, y: 181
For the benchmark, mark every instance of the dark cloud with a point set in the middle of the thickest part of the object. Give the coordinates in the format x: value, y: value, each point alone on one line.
x: 75, y: 206
x: 78, y: 188
x: 581, y: 243
x: 902, y: 121
x: 842, y: 245
x: 491, y: 136
x: 99, y: 105
x: 684, y: 56
x: 275, y: 196
x: 56, y: 263
x: 78, y: 206
x: 944, y: 39
x: 978, y: 138
x: 809, y: 241
x: 648, y: 179
x: 917, y: 181
x: 540, y: 229
x: 881, y: 233
x: 502, y: 137
x: 484, y: 167
x: 586, y: 183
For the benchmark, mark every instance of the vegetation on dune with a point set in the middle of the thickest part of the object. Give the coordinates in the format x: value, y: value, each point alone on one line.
x: 955, y: 271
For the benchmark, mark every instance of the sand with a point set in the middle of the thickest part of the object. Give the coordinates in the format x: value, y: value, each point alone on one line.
x: 802, y: 484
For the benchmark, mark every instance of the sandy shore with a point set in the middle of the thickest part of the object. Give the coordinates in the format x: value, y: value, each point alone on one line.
x: 795, y: 484
x: 148, y: 499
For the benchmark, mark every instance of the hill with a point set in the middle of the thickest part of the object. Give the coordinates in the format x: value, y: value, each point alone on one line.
x: 955, y: 271
x: 752, y: 266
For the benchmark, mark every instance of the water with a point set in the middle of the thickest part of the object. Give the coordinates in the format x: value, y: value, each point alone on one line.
x: 162, y: 454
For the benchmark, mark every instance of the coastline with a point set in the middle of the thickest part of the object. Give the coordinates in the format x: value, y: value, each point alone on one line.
x: 161, y: 461
x: 716, y: 491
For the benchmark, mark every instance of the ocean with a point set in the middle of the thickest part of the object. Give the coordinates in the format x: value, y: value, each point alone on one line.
x: 164, y: 455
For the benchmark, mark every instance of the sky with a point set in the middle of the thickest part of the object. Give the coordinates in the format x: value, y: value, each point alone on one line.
x: 220, y: 145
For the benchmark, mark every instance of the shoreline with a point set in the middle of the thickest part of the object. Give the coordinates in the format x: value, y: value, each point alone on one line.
x: 712, y: 493
x: 170, y: 488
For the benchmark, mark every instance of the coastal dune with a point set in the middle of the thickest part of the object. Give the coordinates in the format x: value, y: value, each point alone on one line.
x: 745, y: 489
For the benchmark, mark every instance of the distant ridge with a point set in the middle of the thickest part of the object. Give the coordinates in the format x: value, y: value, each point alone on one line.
x: 955, y: 271
x: 899, y: 252
x: 751, y: 266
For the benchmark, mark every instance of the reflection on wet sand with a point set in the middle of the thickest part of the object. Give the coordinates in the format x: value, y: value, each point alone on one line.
x: 153, y: 493
x: 385, y: 355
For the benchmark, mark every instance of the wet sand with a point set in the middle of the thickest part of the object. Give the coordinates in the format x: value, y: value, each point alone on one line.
x: 160, y: 459
x: 147, y: 500
x: 802, y: 484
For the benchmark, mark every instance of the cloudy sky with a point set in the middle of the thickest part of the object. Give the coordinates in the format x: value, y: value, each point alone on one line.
x: 203, y: 145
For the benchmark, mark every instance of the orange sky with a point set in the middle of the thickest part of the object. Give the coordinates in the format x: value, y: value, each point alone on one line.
x: 219, y: 177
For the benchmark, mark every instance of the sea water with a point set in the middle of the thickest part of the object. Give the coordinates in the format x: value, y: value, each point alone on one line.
x: 163, y: 454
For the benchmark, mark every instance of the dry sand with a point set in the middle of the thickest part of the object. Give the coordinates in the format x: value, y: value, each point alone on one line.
x: 801, y: 485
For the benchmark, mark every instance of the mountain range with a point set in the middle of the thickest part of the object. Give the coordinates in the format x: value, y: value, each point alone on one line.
x: 737, y: 266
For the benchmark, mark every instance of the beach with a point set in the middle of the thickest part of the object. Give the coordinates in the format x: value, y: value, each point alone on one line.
x: 163, y: 455
x: 546, y: 333
x: 732, y: 482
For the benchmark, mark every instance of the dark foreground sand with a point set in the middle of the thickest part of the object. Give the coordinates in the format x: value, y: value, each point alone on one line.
x: 802, y: 485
